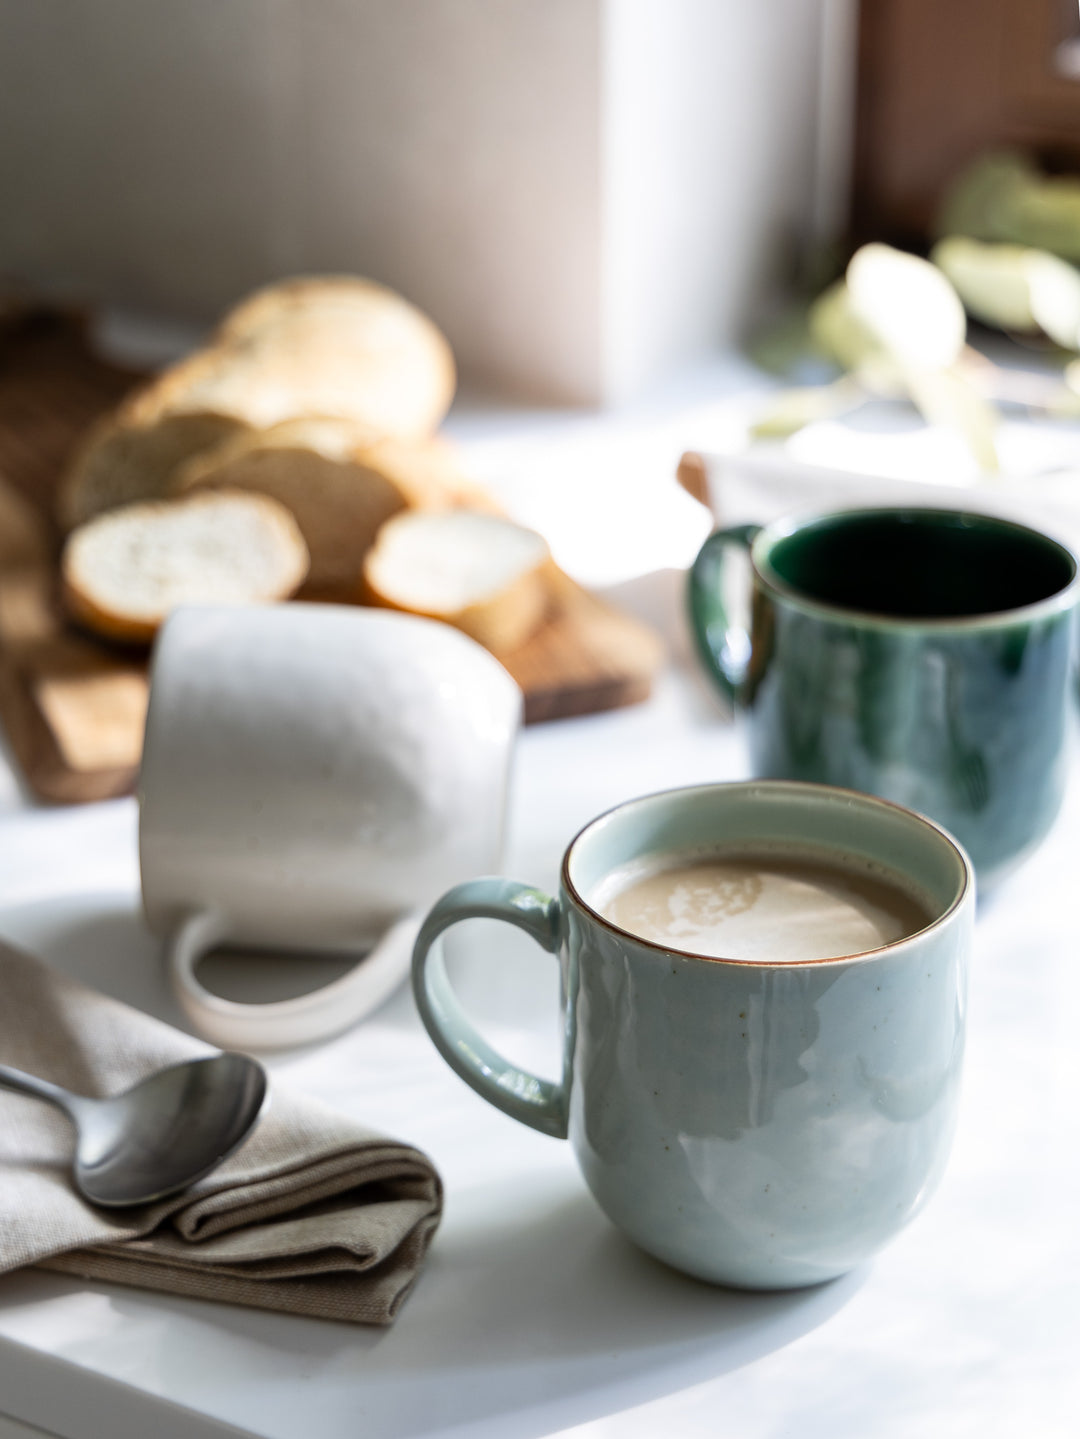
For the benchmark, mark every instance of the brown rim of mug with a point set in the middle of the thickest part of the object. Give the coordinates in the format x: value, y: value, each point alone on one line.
x: 770, y: 534
x: 801, y: 785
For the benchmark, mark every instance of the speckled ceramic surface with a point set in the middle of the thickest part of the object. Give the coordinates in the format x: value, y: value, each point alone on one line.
x: 313, y: 776
x: 764, y: 1125
x: 921, y: 655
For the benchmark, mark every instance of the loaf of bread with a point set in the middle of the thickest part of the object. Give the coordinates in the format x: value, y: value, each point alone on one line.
x: 124, y: 571
x: 341, y: 481
x: 479, y: 572
x: 336, y: 346
x: 340, y: 345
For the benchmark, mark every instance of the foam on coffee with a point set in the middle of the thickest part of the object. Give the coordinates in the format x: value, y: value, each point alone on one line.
x: 766, y: 907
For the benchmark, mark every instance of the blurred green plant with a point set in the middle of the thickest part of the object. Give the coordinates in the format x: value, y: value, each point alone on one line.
x: 1014, y: 287
x: 894, y: 325
x: 1004, y: 197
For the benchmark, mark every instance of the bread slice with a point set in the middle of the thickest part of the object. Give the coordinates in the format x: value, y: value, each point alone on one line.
x: 134, y: 452
x: 326, y: 346
x: 123, y: 572
x: 341, y: 482
x: 480, y: 572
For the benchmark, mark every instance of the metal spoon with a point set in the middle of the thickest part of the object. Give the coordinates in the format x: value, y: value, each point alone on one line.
x: 162, y: 1134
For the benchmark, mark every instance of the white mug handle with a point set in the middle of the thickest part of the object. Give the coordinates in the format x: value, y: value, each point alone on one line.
x: 316, y: 1015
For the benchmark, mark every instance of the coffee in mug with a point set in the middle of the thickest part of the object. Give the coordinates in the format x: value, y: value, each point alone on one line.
x: 763, y: 1119
x: 762, y: 907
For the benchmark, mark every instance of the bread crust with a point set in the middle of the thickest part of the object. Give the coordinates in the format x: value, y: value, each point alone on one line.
x: 89, y: 616
x: 500, y: 624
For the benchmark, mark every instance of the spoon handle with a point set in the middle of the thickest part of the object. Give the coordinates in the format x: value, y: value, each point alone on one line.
x: 39, y: 1088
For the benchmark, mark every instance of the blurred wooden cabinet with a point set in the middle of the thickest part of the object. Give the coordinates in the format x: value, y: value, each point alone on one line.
x: 939, y: 82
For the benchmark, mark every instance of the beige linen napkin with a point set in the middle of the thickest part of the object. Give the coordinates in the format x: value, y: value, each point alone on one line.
x: 313, y: 1215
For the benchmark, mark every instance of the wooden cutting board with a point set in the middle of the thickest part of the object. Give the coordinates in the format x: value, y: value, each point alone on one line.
x: 73, y: 707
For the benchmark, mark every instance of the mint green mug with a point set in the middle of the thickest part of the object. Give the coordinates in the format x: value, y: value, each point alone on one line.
x: 761, y: 1124
x: 918, y: 654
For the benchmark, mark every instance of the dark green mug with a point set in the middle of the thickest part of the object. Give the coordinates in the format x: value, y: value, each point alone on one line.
x: 918, y: 654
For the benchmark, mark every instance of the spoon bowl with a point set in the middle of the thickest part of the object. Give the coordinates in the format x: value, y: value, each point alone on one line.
x: 162, y: 1134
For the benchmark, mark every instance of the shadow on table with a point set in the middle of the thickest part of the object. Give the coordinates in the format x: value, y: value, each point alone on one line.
x: 100, y: 939
x: 550, y: 1318
x: 532, y: 1314
x: 543, y: 1321
x: 104, y: 942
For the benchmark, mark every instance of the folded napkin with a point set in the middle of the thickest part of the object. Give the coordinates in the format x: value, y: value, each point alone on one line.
x: 768, y: 482
x: 313, y: 1215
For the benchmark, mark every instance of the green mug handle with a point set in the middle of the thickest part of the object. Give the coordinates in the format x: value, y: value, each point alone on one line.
x: 540, y: 1103
x: 714, y: 635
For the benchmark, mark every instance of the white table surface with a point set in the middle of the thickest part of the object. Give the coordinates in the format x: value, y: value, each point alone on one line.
x: 533, y: 1317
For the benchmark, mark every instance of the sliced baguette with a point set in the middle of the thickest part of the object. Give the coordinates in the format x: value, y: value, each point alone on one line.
x: 341, y: 482
x: 124, y: 571
x: 328, y: 346
x: 134, y: 452
x: 479, y: 572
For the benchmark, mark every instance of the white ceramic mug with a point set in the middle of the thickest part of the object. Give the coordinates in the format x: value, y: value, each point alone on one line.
x: 313, y: 777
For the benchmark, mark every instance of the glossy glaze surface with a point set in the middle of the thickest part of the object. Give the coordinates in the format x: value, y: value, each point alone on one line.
x: 754, y: 1124
x: 763, y: 1127
x: 962, y: 717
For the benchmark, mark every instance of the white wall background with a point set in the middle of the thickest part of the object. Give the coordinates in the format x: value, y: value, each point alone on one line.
x: 583, y: 193
x: 710, y: 131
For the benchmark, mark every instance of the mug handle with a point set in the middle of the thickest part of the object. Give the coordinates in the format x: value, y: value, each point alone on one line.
x: 316, y: 1015
x: 722, y: 647
x: 540, y: 1103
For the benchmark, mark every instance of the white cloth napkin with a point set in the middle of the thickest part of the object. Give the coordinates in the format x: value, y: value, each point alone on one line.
x: 758, y: 486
